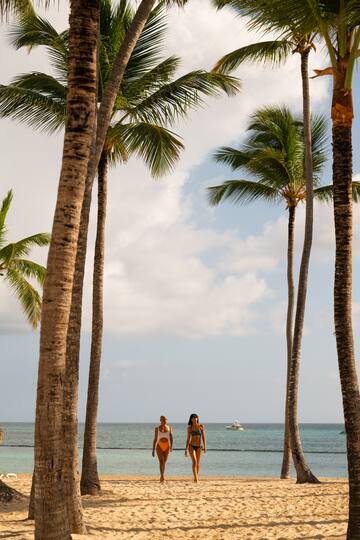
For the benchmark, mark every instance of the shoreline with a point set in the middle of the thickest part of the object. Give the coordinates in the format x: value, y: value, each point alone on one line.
x: 217, y: 508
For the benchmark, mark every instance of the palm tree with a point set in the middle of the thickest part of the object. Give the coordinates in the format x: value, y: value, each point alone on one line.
x: 16, y: 269
x: 51, y: 518
x: 338, y: 24
x: 16, y: 272
x: 268, y: 16
x: 149, y: 98
x: 274, y: 154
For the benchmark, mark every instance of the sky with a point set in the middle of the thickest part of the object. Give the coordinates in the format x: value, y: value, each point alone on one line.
x: 195, y: 297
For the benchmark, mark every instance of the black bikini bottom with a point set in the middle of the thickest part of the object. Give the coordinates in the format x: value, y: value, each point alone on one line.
x: 194, y: 447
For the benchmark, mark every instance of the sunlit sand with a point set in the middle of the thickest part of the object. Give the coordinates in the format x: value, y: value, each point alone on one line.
x: 216, y: 508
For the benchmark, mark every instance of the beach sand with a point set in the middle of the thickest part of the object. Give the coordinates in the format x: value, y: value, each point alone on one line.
x: 215, y: 508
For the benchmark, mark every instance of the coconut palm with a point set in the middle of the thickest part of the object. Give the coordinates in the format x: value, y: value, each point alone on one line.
x: 266, y: 16
x: 338, y: 24
x: 51, y: 517
x: 273, y: 154
x: 149, y: 97
x: 16, y: 269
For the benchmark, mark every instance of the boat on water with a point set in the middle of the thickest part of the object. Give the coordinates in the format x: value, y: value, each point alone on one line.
x: 235, y: 426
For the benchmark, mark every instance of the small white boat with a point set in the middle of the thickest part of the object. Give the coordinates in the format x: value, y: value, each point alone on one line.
x: 235, y: 426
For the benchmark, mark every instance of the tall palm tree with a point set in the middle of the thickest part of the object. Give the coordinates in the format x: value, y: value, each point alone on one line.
x: 51, y: 517
x: 148, y: 98
x: 266, y: 16
x: 338, y: 24
x: 273, y: 156
x: 273, y: 153
x: 16, y: 269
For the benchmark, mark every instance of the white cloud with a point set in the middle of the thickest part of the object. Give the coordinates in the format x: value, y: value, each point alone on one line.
x: 164, y: 274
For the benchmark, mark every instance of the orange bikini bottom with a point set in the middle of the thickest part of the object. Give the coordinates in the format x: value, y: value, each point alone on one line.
x: 164, y: 445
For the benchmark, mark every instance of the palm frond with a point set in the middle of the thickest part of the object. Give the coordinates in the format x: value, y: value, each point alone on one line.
x: 319, y: 141
x: 23, y: 247
x: 157, y: 146
x: 241, y: 192
x: 326, y: 194
x: 138, y: 89
x: 272, y: 52
x: 32, y: 108
x: 5, y: 205
x: 28, y: 296
x: 42, y: 83
x: 174, y: 100
x: 147, y: 51
x: 34, y: 31
x: 16, y: 7
x: 29, y: 270
x: 232, y: 157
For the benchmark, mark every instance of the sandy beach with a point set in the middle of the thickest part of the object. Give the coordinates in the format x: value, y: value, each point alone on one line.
x: 216, y: 508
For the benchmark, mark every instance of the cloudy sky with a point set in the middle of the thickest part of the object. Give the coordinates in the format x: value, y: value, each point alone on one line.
x: 195, y: 297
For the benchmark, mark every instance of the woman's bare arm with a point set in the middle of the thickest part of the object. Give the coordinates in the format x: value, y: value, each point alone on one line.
x: 203, y: 437
x: 171, y: 439
x: 187, y: 441
x: 154, y: 441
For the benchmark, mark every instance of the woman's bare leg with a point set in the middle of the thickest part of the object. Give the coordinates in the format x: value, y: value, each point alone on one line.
x: 198, y: 457
x: 194, y: 463
x: 162, y: 456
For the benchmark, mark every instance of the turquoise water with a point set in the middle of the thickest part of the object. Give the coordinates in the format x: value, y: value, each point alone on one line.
x: 256, y: 451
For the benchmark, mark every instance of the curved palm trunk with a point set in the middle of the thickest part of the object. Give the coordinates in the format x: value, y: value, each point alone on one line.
x: 90, y: 483
x: 342, y: 115
x: 70, y: 420
x: 303, y: 471
x: 285, y: 468
x: 51, y: 519
x: 31, y: 511
x: 70, y: 429
x: 104, y: 116
x: 114, y: 81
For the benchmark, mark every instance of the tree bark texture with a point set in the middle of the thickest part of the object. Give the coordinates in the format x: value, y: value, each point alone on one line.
x: 70, y: 420
x: 31, y: 511
x: 105, y: 111
x: 285, y: 468
x: 51, y: 518
x: 303, y: 472
x: 342, y: 114
x: 90, y: 483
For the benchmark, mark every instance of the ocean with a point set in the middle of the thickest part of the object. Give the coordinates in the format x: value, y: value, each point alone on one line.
x: 256, y: 451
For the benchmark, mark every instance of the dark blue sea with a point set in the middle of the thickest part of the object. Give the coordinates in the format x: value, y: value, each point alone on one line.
x: 256, y: 451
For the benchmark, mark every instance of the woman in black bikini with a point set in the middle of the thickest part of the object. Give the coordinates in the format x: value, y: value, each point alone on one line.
x: 194, y: 441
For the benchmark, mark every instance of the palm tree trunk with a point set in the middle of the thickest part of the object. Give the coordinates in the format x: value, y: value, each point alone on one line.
x: 90, y: 483
x: 31, y: 511
x: 70, y: 420
x: 285, y: 468
x: 70, y: 428
x: 121, y: 62
x: 342, y: 115
x: 114, y: 81
x: 303, y: 472
x: 51, y: 518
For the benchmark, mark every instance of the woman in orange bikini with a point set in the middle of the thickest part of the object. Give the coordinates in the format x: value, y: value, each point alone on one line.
x: 163, y: 442
x: 195, y: 440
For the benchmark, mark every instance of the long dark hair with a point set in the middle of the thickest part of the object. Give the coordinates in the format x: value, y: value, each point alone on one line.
x: 193, y: 415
